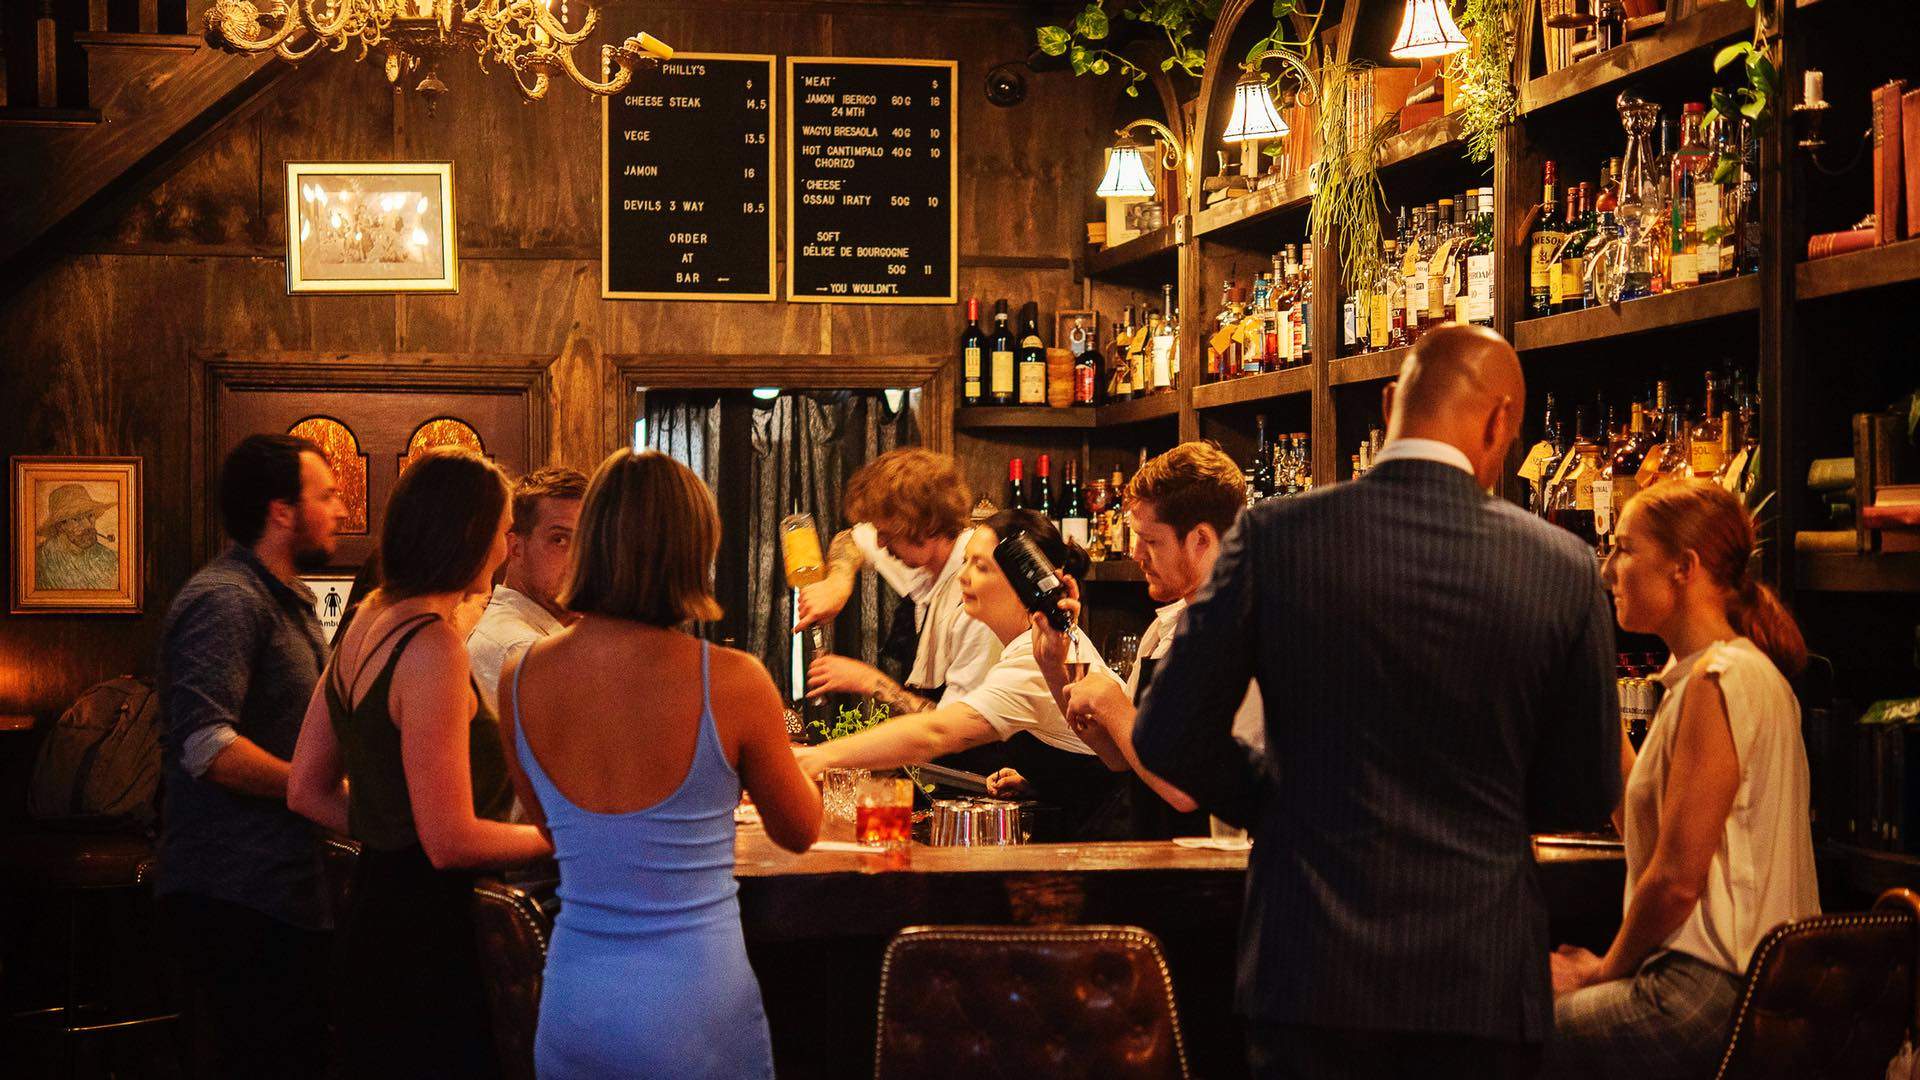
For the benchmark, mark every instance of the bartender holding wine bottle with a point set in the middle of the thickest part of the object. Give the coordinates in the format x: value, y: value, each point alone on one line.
x: 1017, y: 558
x: 912, y: 505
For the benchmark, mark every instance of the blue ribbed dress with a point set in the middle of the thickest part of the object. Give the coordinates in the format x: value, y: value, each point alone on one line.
x: 647, y: 974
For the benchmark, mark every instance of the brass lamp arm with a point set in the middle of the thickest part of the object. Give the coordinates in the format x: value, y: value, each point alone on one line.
x: 1161, y: 130
x: 1309, y: 89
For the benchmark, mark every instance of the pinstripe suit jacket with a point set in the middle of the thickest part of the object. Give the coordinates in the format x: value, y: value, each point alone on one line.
x: 1437, y: 667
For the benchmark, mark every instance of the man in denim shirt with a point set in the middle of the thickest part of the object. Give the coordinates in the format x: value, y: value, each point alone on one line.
x: 240, y: 874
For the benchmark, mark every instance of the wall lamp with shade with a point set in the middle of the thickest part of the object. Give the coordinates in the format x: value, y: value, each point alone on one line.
x: 1127, y: 175
x: 1427, y: 30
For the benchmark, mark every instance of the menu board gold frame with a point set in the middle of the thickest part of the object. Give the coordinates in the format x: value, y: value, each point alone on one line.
x: 952, y: 194
x: 772, y: 291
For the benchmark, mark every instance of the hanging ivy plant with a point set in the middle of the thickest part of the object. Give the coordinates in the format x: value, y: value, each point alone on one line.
x: 1348, y: 197
x: 1483, y: 74
x: 1752, y: 103
x: 1084, y: 42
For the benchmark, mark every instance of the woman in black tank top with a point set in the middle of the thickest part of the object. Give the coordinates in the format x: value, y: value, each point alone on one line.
x: 399, y: 751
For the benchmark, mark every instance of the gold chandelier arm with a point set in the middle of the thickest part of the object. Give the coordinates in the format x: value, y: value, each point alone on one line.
x: 1309, y: 87
x: 293, y: 56
x: 319, y: 25
x: 536, y: 91
x: 616, y: 82
x: 233, y: 37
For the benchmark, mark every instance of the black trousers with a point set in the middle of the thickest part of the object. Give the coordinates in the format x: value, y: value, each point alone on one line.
x: 256, y: 990
x: 1299, y: 1052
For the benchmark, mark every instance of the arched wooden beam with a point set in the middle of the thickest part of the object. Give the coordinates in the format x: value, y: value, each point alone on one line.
x: 1221, y: 68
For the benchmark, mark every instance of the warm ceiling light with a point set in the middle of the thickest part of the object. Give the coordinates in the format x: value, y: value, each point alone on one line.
x: 1427, y: 30
x: 1126, y: 173
x: 1254, y: 116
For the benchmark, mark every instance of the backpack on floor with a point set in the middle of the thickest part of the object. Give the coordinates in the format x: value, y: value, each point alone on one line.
x: 99, y: 767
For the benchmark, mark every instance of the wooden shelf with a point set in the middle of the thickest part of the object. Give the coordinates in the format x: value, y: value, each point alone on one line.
x: 1856, y: 270
x: 1250, y: 388
x: 1139, y: 410
x: 1134, y: 256
x: 1022, y: 416
x: 1866, y: 573
x: 1115, y: 570
x: 1438, y: 134
x: 1706, y: 27
x: 1701, y: 303
x: 1367, y: 367
x: 1293, y: 193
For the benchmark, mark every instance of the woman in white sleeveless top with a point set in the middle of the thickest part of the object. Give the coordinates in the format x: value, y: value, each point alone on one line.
x: 1715, y: 813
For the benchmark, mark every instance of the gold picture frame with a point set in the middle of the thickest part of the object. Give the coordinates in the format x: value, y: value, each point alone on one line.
x: 371, y: 227
x: 77, y: 536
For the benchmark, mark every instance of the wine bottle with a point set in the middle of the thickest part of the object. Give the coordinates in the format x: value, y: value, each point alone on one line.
x: 1016, y: 488
x: 1000, y: 375
x: 973, y: 346
x: 1083, y: 340
x: 1042, y: 494
x: 1032, y: 359
x: 1075, y: 524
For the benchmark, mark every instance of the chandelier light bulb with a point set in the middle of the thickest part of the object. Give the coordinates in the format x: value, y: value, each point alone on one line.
x: 1427, y: 30
x: 1254, y: 116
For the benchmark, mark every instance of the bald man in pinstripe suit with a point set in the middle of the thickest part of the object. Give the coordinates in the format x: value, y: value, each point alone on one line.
x: 1437, y: 667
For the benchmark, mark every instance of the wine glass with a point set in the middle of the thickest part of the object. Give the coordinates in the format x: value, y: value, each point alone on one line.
x: 1124, y: 655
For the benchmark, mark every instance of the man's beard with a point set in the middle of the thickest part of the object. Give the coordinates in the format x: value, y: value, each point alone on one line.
x: 309, y: 556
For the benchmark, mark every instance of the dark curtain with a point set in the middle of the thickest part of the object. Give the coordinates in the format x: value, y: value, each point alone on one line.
x: 764, y: 460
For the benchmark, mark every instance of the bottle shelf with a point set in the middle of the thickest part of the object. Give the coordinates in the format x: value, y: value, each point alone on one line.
x: 1367, y: 367
x: 1873, y: 871
x: 1023, y: 416
x: 1683, y: 307
x: 1115, y: 570
x: 1149, y: 255
x: 1432, y: 137
x: 1838, y: 275
x: 1250, y: 388
x: 1293, y: 193
x: 1867, y: 572
x: 1139, y: 410
x: 1710, y: 25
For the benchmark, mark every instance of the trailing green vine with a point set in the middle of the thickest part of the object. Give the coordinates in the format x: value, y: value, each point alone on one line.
x: 1752, y: 103
x: 1084, y: 43
x: 1348, y: 196
x: 1483, y: 74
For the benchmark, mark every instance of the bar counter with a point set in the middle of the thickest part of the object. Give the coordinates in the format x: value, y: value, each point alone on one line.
x: 816, y: 924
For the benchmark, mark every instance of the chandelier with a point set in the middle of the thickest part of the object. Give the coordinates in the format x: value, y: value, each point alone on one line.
x: 523, y: 36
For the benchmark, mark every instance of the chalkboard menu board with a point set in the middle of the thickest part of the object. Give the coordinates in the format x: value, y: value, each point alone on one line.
x: 686, y: 191
x: 871, y: 177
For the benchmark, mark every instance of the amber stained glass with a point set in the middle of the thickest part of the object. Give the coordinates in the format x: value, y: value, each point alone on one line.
x: 445, y: 431
x: 342, y: 451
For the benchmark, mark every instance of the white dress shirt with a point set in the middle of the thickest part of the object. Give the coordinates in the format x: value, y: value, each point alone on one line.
x: 954, y: 649
x: 1014, y: 696
x: 1424, y: 450
x: 511, y: 622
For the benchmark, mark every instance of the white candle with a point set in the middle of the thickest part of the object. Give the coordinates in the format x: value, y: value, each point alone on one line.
x: 1814, y: 90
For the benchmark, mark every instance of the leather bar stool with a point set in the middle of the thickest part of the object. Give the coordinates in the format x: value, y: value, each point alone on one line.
x: 514, y: 922
x: 969, y: 1001
x: 90, y: 879
x: 1829, y: 997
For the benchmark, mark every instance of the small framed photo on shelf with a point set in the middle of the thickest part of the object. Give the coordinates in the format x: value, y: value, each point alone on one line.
x: 77, y: 524
x: 371, y: 227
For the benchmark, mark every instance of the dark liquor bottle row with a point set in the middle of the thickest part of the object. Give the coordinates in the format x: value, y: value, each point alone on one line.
x: 1002, y: 367
x: 1280, y: 467
x: 1090, y: 514
x: 1438, y: 269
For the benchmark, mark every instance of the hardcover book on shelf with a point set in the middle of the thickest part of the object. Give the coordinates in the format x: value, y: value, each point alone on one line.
x: 1910, y: 154
x: 1822, y: 245
x: 1888, y: 176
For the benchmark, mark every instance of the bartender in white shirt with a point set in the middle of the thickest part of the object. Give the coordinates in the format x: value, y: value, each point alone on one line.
x: 1180, y: 504
x: 912, y: 506
x: 1012, y: 716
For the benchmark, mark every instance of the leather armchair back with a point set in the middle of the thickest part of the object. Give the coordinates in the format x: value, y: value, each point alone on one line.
x: 970, y: 1001
x: 1828, y: 997
x: 513, y: 923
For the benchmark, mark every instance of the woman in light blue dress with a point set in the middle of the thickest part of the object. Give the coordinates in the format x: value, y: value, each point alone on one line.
x: 632, y: 740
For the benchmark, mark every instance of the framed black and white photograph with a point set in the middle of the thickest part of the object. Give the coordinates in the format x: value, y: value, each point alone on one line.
x: 371, y: 228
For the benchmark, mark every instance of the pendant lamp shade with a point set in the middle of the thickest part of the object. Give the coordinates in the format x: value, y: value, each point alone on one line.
x: 1254, y: 116
x: 1427, y: 30
x: 1126, y: 173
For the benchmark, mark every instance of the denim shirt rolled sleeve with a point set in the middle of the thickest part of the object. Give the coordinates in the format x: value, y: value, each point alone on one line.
x: 206, y: 689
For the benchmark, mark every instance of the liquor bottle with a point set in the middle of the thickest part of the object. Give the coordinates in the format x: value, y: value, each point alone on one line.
x: 1619, y: 476
x: 1713, y: 255
x: 1306, y: 463
x: 973, y: 346
x: 1032, y: 360
x: 1674, y: 451
x: 1721, y: 210
x: 1610, y: 24
x: 1221, y: 347
x: 1000, y: 385
x: 1084, y: 341
x: 1688, y: 163
x: 1543, y: 460
x: 1117, y: 528
x: 1260, y: 469
x: 1164, y: 337
x: 1038, y: 583
x: 1075, y: 525
x: 1349, y: 324
x: 1706, y: 452
x: 1570, y: 505
x: 1303, y: 308
x: 1041, y: 498
x: 1016, y: 488
x: 1543, y: 248
x: 1439, y: 308
x: 1573, y: 265
x: 1277, y: 327
x: 1397, y: 336
x: 1380, y: 301
x: 1413, y: 267
x: 1480, y: 264
x: 1139, y: 379
x: 1252, y: 331
x: 1657, y: 423
x: 1120, y: 367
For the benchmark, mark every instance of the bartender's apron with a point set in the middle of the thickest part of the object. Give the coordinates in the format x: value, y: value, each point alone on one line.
x: 1150, y: 816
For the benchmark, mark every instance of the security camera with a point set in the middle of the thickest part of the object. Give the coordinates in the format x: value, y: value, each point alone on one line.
x: 1006, y: 86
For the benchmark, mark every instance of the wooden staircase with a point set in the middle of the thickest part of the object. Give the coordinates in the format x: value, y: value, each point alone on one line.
x: 94, y: 95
